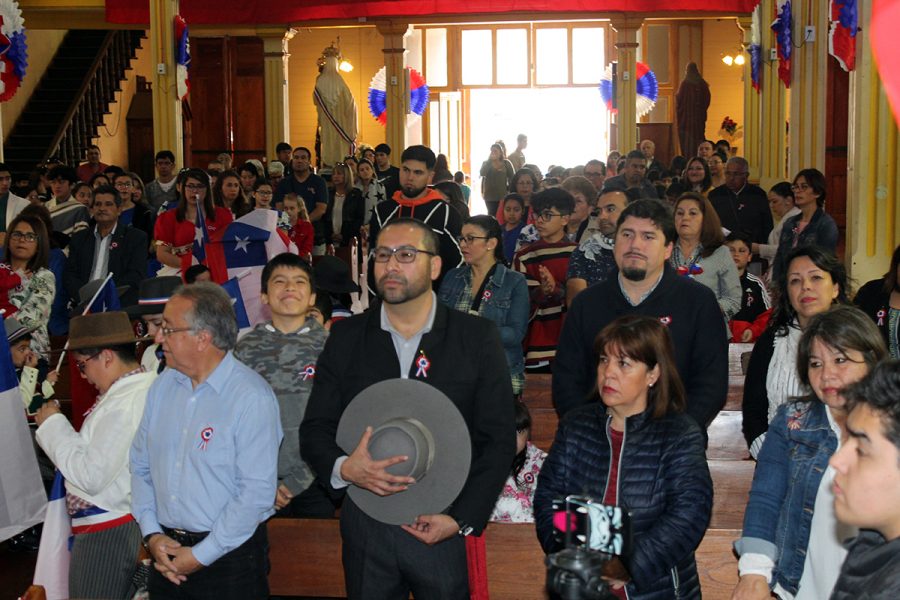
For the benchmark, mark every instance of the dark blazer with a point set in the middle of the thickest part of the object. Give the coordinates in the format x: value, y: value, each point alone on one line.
x: 467, y: 363
x: 127, y: 261
x: 143, y: 218
x: 746, y: 212
x: 353, y: 214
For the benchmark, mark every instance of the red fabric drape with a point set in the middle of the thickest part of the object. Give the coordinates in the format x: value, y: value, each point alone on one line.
x: 201, y: 12
x: 476, y: 557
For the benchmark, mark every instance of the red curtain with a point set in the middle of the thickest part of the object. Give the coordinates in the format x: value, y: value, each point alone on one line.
x: 196, y: 12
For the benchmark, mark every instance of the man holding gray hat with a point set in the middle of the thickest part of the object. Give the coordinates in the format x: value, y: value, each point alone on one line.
x: 411, y: 336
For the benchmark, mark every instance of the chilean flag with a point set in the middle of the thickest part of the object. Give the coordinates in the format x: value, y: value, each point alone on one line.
x: 52, y: 568
x: 242, y: 249
x: 842, y: 35
x: 782, y: 26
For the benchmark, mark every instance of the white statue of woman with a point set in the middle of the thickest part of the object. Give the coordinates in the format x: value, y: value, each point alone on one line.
x: 336, y: 108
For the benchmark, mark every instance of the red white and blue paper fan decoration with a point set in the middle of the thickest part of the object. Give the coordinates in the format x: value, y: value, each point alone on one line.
x: 13, y: 49
x: 182, y: 57
x: 418, y: 96
x: 647, y: 89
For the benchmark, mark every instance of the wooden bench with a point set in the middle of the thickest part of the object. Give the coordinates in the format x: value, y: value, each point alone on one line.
x: 305, y: 555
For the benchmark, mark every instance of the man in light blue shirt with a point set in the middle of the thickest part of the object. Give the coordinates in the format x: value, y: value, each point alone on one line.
x: 204, y: 460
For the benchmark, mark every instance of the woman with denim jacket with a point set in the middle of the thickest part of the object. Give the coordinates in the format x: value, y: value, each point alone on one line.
x: 792, y: 541
x: 485, y: 286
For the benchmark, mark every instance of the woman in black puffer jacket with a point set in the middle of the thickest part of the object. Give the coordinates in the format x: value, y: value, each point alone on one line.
x: 659, y: 471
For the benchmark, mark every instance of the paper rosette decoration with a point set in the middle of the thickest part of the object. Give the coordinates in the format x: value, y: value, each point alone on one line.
x: 182, y: 57
x: 647, y: 89
x: 13, y: 49
x: 418, y: 96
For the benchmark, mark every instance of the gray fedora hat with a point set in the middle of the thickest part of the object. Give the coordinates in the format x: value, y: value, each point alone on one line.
x: 413, y: 419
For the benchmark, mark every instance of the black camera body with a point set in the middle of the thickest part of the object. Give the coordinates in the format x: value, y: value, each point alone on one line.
x: 592, y: 534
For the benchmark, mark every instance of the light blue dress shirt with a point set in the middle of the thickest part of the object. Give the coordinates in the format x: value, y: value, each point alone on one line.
x: 206, y: 459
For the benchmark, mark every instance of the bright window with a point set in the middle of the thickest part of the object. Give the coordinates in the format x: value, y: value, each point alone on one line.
x: 588, y: 60
x: 436, y: 57
x: 477, y: 57
x: 552, y: 56
x: 512, y: 57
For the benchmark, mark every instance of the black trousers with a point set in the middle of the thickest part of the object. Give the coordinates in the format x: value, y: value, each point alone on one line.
x: 383, y: 562
x: 242, y: 574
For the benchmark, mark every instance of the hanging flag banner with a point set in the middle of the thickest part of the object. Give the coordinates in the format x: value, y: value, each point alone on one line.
x: 182, y: 57
x: 886, y: 48
x: 784, y: 40
x: 842, y: 33
x: 756, y: 47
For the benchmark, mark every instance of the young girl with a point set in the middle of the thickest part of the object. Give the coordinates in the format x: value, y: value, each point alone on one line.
x: 513, y: 222
x: 514, y: 503
x: 301, y: 231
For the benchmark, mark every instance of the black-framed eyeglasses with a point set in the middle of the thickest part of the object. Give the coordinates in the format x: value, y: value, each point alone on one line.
x: 468, y: 239
x: 81, y: 364
x: 547, y: 215
x: 404, y: 254
x: 28, y: 237
x: 167, y: 331
x: 194, y: 186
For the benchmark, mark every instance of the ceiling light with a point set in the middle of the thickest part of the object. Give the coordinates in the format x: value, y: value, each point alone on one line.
x: 739, y: 60
x: 345, y: 66
x: 728, y: 60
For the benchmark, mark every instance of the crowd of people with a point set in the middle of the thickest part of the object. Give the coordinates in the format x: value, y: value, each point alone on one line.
x: 624, y: 279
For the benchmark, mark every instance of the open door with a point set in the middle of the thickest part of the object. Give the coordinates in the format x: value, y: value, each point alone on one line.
x: 446, y: 131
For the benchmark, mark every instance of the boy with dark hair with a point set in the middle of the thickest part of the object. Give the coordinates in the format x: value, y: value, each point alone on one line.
x: 162, y: 190
x: 867, y: 486
x: 284, y: 351
x: 387, y: 174
x: 544, y: 264
x: 756, y: 308
x: 67, y: 214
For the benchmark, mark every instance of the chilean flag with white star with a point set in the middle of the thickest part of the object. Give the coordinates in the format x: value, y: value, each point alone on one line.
x: 242, y: 249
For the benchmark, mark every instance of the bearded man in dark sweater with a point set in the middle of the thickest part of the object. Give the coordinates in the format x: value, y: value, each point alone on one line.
x: 647, y: 285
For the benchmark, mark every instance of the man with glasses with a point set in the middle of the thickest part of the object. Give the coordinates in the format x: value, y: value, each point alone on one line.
x: 108, y: 246
x: 136, y: 215
x: 204, y: 459
x: 161, y: 191
x: 742, y: 207
x: 413, y: 336
x: 415, y: 199
x: 595, y: 171
x: 633, y: 175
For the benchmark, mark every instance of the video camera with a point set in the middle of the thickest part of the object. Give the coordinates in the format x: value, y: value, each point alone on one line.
x: 592, y: 534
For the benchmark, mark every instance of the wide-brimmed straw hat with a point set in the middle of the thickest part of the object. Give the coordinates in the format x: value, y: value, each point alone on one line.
x: 409, y: 418
x: 102, y: 330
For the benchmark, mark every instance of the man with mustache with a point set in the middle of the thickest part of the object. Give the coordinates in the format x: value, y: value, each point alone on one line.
x: 415, y: 199
x: 410, y: 335
x: 647, y: 285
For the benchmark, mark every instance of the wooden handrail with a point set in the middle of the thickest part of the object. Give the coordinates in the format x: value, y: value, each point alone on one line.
x: 78, y: 98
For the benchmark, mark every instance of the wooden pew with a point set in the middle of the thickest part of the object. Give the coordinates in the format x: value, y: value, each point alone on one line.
x: 306, y: 560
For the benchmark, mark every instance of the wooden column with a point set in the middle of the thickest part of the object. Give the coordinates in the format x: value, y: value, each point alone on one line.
x: 873, y: 229
x: 396, y: 85
x: 167, y: 126
x: 753, y: 132
x: 808, y: 86
x: 275, y: 69
x: 773, y: 111
x: 626, y: 28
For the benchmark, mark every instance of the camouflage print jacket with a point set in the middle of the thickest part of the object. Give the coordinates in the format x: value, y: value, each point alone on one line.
x: 288, y: 362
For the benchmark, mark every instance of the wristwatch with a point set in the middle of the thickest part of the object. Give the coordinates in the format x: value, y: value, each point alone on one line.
x: 146, y: 540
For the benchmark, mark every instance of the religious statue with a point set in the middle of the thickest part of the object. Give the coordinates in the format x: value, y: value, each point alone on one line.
x: 691, y: 103
x: 338, y: 125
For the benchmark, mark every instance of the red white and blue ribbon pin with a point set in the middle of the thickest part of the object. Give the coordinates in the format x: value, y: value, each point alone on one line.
x: 667, y: 320
x: 423, y: 363
x: 309, y: 372
x: 205, y: 435
x: 881, y: 314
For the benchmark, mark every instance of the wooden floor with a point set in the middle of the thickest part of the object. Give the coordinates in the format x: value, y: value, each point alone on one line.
x: 731, y: 470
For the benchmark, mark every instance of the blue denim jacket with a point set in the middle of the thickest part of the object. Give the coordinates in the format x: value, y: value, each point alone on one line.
x: 791, y: 463
x: 508, y: 306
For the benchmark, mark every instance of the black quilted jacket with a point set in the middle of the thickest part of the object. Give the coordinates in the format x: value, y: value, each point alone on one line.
x: 663, y: 481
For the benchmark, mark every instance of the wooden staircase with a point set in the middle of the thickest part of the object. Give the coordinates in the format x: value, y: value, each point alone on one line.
x: 68, y: 105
